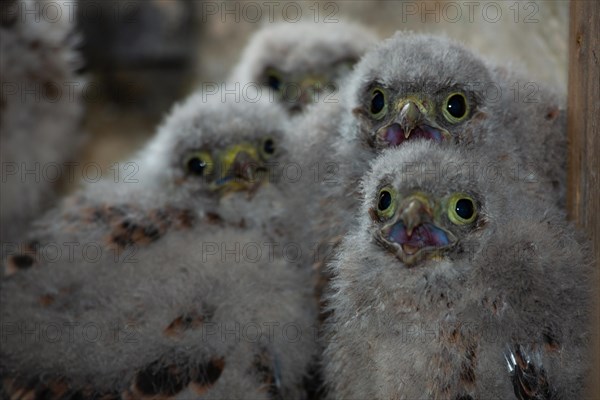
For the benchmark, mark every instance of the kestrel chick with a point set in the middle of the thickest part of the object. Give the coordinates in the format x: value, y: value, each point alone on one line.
x: 186, y: 296
x: 302, y: 63
x: 452, y: 286
x: 416, y: 86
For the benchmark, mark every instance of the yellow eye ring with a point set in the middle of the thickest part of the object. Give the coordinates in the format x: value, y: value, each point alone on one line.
x: 462, y: 209
x: 378, y: 105
x: 274, y: 79
x: 455, y: 108
x: 199, y: 163
x: 386, y: 202
x: 267, y: 148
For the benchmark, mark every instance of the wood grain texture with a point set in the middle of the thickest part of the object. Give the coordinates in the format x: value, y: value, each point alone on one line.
x: 584, y: 138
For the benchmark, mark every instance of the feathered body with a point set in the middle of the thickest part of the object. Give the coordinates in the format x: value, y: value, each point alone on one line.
x: 180, y: 273
x: 400, y: 91
x: 427, y: 306
x: 40, y: 110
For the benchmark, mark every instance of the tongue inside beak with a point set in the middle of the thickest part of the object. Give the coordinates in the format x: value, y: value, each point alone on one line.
x: 422, y: 236
x: 395, y: 135
x: 427, y: 132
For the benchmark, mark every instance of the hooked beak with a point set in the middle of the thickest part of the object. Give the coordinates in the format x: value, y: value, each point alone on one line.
x: 244, y: 166
x: 411, y: 214
x: 412, y: 234
x: 409, y: 117
x: 412, y: 122
x: 240, y: 169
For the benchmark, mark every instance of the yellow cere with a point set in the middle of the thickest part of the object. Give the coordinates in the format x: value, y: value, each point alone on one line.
x: 416, y: 100
x: 230, y: 154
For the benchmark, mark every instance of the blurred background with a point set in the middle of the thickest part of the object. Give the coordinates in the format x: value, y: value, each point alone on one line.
x: 139, y: 57
x: 142, y: 56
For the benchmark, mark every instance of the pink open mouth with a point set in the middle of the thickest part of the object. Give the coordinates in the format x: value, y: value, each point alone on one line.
x: 394, y: 134
x: 423, y: 236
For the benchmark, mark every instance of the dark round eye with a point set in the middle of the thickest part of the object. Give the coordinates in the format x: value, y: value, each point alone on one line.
x: 377, y: 102
x: 199, y: 163
x: 457, y: 105
x: 274, y: 82
x: 385, y: 200
x: 269, y: 146
x: 465, y: 208
x: 196, y: 166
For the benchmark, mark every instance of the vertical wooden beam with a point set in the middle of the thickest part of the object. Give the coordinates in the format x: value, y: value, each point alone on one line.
x: 584, y: 139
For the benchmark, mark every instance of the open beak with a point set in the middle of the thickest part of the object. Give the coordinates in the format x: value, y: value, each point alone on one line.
x: 411, y: 214
x: 410, y: 116
x: 411, y: 122
x: 412, y: 233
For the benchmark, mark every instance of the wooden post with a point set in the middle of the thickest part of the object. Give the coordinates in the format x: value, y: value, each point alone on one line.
x: 584, y: 139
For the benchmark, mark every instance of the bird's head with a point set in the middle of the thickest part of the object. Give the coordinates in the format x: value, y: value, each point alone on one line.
x: 239, y: 166
x: 417, y: 87
x: 415, y: 225
x: 302, y: 63
x: 415, y: 116
x: 297, y: 89
x: 209, y: 149
x: 424, y: 203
